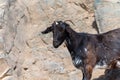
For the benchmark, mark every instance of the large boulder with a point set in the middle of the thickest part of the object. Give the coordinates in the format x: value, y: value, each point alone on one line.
x: 107, y: 14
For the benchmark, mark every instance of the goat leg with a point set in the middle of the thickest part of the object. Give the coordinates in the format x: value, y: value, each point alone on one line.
x: 87, y: 72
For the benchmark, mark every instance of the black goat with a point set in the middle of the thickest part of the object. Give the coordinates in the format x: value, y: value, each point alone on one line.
x: 113, y: 71
x: 86, y: 50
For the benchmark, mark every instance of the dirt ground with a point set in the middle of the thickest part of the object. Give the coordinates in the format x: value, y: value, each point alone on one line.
x: 97, y: 74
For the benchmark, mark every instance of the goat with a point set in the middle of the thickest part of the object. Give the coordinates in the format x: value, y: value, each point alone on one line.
x: 113, y: 71
x: 86, y: 49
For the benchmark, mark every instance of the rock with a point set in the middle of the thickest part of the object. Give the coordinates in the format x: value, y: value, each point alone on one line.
x: 54, y: 67
x: 4, y: 67
x: 74, y: 75
x: 10, y: 78
x: 2, y: 51
x: 107, y: 14
x: 3, y: 4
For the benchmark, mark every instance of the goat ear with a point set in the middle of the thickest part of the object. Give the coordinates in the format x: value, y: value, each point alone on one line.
x: 49, y: 29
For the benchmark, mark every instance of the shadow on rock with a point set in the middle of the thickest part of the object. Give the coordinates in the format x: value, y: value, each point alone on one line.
x: 95, y: 26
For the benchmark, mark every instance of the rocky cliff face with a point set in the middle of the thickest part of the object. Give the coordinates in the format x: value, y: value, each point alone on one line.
x: 26, y: 54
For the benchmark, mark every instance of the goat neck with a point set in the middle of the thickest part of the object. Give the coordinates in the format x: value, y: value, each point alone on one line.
x: 71, y: 34
x: 71, y: 39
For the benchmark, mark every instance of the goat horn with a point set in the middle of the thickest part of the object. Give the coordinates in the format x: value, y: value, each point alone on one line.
x: 70, y: 21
